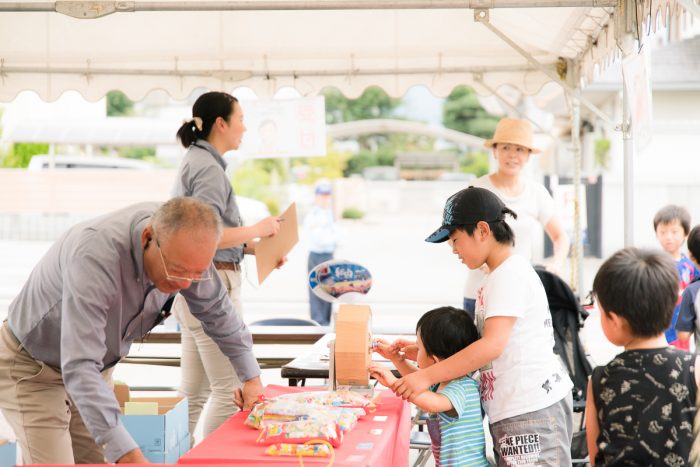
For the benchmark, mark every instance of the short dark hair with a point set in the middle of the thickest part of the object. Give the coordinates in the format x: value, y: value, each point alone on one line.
x: 694, y: 243
x: 500, y: 229
x: 445, y: 331
x: 640, y: 285
x: 670, y: 213
x: 209, y: 106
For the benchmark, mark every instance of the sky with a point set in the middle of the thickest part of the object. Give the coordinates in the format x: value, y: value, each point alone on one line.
x: 419, y: 104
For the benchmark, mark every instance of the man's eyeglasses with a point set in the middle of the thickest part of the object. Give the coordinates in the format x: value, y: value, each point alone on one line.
x: 205, y: 276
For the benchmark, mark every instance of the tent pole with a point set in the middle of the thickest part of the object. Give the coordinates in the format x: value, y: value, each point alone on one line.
x: 577, y: 243
x: 96, y: 8
x: 479, y: 79
x: 52, y: 156
x: 626, y: 21
x: 482, y: 16
x: 628, y: 171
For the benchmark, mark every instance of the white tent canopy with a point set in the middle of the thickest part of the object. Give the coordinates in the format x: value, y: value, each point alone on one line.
x: 435, y: 44
x: 137, y: 46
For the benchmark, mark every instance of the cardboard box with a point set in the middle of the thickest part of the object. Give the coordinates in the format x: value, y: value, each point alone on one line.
x: 121, y: 391
x: 171, y: 456
x: 352, y: 345
x: 159, y: 433
x: 8, y: 453
x: 162, y: 432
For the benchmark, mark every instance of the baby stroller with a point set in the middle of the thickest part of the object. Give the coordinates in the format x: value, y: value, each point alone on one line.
x: 567, y: 319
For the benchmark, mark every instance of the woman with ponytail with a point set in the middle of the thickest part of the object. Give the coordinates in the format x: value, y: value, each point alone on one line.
x: 216, y: 127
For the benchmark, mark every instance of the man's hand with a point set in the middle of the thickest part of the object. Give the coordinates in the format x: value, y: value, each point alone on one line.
x: 246, y: 398
x: 409, y: 386
x: 133, y: 457
x: 268, y: 226
x: 382, y: 374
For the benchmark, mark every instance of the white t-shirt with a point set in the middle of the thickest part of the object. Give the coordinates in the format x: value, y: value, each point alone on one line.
x: 534, y: 205
x: 528, y: 375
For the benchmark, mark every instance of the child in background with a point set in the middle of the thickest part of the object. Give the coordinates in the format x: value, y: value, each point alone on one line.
x: 525, y: 390
x: 322, y: 235
x: 640, y: 406
x: 688, y: 322
x: 671, y: 224
x: 455, y: 424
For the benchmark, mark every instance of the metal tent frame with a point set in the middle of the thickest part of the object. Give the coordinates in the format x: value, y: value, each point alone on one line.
x: 622, y: 26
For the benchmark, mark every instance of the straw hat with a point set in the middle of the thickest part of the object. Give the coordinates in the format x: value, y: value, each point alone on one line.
x: 513, y: 131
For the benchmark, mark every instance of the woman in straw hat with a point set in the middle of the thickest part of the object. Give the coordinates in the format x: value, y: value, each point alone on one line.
x: 512, y: 145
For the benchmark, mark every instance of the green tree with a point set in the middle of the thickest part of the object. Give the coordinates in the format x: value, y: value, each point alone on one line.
x: 277, y: 168
x: 255, y: 179
x: 330, y: 166
x: 144, y: 153
x: 118, y: 105
x: 476, y: 163
x: 373, y: 103
x: 463, y: 112
x: 22, y: 153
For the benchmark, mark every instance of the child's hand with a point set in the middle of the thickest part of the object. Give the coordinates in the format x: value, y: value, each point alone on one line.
x: 407, y: 349
x: 409, y: 386
x: 386, y: 350
x: 382, y: 374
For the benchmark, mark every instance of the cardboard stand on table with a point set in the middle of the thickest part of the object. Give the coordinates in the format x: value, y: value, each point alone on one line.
x: 351, y: 352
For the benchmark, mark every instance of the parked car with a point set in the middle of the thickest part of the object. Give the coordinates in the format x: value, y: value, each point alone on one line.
x: 43, y: 161
x: 251, y: 209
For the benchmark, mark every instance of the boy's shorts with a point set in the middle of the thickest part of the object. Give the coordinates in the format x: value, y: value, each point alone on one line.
x: 542, y: 437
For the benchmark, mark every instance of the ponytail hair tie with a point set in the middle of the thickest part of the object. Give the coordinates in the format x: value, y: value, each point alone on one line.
x: 198, y: 123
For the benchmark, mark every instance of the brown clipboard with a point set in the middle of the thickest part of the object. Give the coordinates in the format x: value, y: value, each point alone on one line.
x: 270, y: 250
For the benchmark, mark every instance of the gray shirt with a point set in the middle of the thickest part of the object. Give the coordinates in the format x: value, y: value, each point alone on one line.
x: 202, y: 174
x: 89, y: 298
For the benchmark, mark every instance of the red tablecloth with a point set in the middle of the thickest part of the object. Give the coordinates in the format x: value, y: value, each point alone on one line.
x: 364, y: 445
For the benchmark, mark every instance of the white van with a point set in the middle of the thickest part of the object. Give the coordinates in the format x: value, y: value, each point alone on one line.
x: 251, y: 210
x: 42, y: 162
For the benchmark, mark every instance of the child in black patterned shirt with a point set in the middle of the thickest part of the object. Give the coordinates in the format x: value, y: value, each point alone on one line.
x: 640, y: 406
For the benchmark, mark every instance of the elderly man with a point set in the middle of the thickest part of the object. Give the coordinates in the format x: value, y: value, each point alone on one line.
x: 102, y: 285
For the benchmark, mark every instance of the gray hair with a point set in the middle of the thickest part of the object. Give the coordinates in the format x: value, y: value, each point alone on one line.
x: 185, y: 213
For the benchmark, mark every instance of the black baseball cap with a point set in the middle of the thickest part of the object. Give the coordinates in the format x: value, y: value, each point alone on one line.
x: 468, y: 207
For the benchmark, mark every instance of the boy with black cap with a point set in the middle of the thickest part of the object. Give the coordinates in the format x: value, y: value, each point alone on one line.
x: 525, y: 391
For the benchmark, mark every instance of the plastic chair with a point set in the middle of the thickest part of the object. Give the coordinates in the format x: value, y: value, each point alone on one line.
x: 285, y: 322
x: 420, y: 441
x: 420, y: 419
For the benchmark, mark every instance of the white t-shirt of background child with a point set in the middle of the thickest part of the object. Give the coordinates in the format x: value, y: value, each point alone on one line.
x: 528, y: 375
x: 534, y: 207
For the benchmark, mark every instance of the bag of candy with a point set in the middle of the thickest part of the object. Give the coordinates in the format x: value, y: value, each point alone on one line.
x: 303, y: 450
x: 301, y: 431
x: 281, y: 410
x: 339, y: 398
